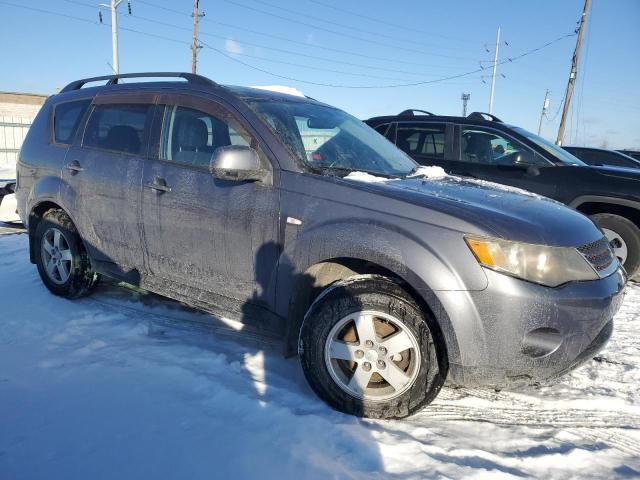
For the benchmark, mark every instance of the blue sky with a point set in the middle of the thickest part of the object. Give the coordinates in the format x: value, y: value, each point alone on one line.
x: 411, y: 41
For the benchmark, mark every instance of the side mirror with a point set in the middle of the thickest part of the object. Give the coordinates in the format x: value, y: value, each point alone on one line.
x: 237, y: 162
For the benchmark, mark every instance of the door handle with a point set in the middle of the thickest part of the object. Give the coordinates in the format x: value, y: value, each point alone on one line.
x: 74, y: 167
x: 159, y: 185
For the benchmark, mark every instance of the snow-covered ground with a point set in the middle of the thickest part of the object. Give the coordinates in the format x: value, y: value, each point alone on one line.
x: 124, y: 385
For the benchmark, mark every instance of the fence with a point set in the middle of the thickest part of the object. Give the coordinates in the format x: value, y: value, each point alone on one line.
x: 12, y: 133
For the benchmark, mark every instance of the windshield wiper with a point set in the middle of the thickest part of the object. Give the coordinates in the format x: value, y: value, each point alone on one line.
x: 346, y: 171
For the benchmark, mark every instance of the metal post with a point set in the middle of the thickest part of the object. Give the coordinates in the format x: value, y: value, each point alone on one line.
x: 465, y: 98
x: 495, y: 69
x: 195, y: 45
x: 574, y: 72
x: 113, y: 6
x: 545, y: 106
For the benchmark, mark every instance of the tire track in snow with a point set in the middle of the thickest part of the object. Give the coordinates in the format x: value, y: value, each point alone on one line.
x: 594, y: 425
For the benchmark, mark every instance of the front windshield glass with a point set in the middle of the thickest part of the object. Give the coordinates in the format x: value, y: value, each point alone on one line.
x: 328, y: 139
x: 550, y: 147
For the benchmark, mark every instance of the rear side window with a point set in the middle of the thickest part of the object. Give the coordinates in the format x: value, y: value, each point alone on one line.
x: 420, y: 139
x: 119, y: 128
x: 66, y: 119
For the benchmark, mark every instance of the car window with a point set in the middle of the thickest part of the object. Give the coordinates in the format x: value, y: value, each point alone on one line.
x: 487, y: 147
x: 382, y: 129
x: 326, y: 139
x: 66, y: 119
x: 191, y: 136
x: 417, y: 139
x: 118, y: 127
x: 597, y: 157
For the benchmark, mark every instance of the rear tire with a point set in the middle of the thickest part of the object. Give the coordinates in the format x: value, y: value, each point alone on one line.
x: 63, y: 263
x: 359, y: 371
x: 624, y: 236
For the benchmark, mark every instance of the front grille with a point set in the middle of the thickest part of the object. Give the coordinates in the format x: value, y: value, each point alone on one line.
x: 598, y: 253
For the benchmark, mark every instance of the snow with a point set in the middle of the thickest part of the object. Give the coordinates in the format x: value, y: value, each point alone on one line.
x: 367, y: 177
x: 125, y: 385
x: 431, y: 172
x: 281, y: 89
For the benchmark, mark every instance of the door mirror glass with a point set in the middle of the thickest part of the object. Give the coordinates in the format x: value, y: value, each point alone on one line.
x: 237, y: 162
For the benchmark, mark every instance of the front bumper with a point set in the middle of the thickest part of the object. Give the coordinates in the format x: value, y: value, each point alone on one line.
x: 516, y: 332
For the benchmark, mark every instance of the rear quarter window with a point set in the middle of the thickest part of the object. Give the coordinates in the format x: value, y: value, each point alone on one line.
x: 66, y: 120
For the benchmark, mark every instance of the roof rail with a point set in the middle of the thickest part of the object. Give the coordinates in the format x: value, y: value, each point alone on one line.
x: 409, y: 112
x: 113, y: 79
x: 483, y: 116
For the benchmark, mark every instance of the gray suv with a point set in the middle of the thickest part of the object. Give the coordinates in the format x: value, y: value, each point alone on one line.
x: 385, y: 277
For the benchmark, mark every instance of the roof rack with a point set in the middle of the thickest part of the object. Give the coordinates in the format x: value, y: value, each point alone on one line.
x: 113, y: 79
x: 483, y: 116
x: 409, y: 112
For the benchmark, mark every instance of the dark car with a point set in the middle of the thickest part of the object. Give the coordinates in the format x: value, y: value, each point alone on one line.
x: 601, y: 156
x: 302, y: 222
x: 631, y: 153
x: 482, y: 146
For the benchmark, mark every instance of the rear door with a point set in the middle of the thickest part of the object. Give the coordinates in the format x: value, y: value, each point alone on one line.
x: 103, y: 176
x: 216, y: 238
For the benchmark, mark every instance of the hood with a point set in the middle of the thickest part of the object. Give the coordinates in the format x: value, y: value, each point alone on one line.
x: 497, y: 210
x: 625, y: 172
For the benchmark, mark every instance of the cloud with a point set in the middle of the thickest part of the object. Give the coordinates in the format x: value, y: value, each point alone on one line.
x: 233, y: 47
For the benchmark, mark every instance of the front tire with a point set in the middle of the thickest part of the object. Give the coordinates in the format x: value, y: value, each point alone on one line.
x: 63, y: 263
x: 368, y: 350
x: 624, y: 237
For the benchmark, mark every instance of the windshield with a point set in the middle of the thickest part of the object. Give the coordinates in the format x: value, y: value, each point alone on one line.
x: 558, y: 152
x: 328, y: 139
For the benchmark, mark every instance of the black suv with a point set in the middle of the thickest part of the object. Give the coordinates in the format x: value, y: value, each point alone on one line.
x: 482, y: 146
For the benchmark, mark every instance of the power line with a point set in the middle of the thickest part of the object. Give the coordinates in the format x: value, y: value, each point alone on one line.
x: 221, y: 52
x: 349, y: 27
x: 425, y: 82
x: 296, y: 42
x: 346, y: 35
x: 391, y: 24
x: 289, y: 52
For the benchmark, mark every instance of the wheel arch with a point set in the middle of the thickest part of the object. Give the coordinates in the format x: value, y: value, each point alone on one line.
x: 590, y: 205
x: 321, y: 275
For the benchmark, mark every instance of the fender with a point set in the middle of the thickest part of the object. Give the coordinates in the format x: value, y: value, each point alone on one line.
x: 599, y: 199
x: 48, y: 189
x: 386, y: 247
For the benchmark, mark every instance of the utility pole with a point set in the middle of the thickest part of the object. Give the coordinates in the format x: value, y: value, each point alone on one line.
x: 113, y: 6
x: 465, y: 98
x: 574, y: 72
x: 195, y: 45
x: 545, y: 107
x: 495, y: 69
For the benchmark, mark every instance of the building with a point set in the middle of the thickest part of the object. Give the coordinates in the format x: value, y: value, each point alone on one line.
x: 17, y: 111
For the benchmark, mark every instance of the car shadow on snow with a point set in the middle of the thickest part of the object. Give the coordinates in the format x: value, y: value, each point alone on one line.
x: 270, y: 387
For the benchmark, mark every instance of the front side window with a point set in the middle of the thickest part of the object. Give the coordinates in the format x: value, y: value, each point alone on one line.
x: 489, y: 148
x: 190, y: 136
x: 119, y: 128
x: 324, y: 138
x: 66, y: 119
x: 417, y: 139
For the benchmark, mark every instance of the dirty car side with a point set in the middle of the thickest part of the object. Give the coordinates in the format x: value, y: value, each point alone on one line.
x: 263, y: 251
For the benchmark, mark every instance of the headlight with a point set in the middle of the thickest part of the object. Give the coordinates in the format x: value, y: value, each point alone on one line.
x: 550, y: 266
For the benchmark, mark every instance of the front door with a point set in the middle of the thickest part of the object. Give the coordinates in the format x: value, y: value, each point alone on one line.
x: 103, y: 179
x: 488, y: 154
x: 213, y: 241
